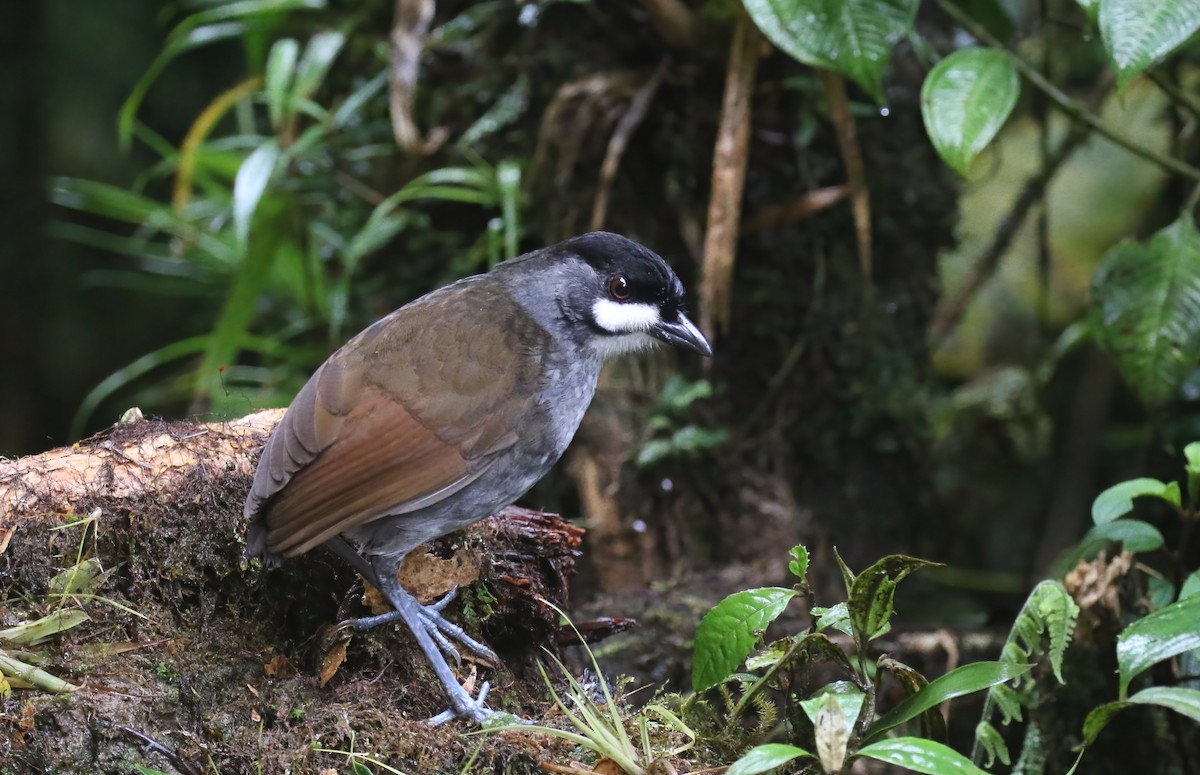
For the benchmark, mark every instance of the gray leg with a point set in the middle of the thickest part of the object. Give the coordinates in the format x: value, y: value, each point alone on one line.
x: 462, y: 704
x: 436, y: 623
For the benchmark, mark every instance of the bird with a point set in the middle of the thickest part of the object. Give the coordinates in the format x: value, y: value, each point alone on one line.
x: 447, y: 410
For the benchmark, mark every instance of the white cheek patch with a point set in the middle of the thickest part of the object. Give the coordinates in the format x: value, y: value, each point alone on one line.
x: 625, y: 318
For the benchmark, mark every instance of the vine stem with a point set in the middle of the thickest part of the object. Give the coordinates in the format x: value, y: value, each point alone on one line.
x: 1071, y: 107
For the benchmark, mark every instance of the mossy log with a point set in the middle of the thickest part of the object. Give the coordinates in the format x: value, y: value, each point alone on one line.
x: 194, y: 659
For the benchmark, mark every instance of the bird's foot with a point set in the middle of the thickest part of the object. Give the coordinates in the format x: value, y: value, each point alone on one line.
x: 464, y: 706
x: 439, y: 628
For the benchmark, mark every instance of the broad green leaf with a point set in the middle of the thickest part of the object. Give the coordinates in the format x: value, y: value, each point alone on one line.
x: 1146, y: 307
x: 873, y: 591
x: 964, y: 680
x: 1134, y: 535
x: 920, y: 755
x: 965, y: 100
x: 1161, y: 635
x: 798, y: 564
x: 933, y: 725
x: 729, y: 631
x: 1139, y: 33
x: 1117, y: 501
x: 763, y: 758
x: 769, y: 656
x: 853, y: 37
x: 250, y: 184
x: 281, y: 66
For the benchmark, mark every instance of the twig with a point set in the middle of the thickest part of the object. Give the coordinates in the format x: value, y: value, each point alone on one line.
x: 410, y: 25
x: 728, y: 178
x: 860, y: 197
x: 1072, y: 108
x: 638, y: 107
x: 793, y: 210
x: 1175, y: 93
x: 951, y: 312
x: 150, y: 745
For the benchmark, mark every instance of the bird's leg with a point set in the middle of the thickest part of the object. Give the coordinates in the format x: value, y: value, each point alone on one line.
x: 437, y: 625
x: 462, y: 704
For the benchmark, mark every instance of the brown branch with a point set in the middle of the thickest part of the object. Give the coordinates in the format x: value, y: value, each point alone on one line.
x: 410, y: 25
x: 638, y: 107
x: 794, y: 210
x: 847, y: 139
x: 730, y: 157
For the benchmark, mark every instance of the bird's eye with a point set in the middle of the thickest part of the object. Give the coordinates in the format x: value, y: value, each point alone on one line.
x: 618, y: 287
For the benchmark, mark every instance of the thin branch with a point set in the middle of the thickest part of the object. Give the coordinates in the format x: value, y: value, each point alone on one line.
x: 1071, y: 107
x: 410, y: 25
x: 638, y: 107
x: 951, y: 312
x: 730, y: 156
x: 860, y: 197
x: 1176, y: 94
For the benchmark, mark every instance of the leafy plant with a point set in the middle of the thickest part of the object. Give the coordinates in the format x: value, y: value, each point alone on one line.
x: 969, y: 95
x: 273, y: 207
x: 1169, y: 630
x: 600, y: 727
x: 670, y: 434
x: 842, y: 715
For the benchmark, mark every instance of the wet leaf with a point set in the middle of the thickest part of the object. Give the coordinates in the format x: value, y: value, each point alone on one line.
x: 767, y: 757
x: 965, y: 100
x: 920, y: 755
x: 1161, y: 635
x: 873, y: 591
x: 957, y: 683
x: 1146, y: 309
x: 1139, y: 33
x: 729, y: 631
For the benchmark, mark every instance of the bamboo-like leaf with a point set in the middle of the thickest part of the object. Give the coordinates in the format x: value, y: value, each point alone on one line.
x: 281, y: 67
x: 961, y: 681
x: 250, y: 185
x: 318, y: 57
x: 853, y: 37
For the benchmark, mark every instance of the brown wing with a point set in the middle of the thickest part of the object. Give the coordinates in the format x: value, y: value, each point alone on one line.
x: 407, y: 413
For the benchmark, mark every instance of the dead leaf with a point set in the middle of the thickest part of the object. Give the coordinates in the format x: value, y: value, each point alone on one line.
x: 27, y: 722
x: 279, y: 667
x: 608, y: 767
x: 332, y: 660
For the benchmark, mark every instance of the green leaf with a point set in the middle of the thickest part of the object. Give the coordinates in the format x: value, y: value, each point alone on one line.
x: 967, y: 679
x: 837, y: 617
x: 853, y: 37
x: 1134, y: 534
x: 1191, y: 585
x: 1191, y: 454
x: 250, y: 184
x: 318, y: 57
x: 33, y: 633
x: 729, y: 631
x: 873, y: 591
x: 1161, y: 635
x: 281, y: 66
x: 1138, y: 33
x: 798, y: 565
x: 965, y: 100
x: 1117, y: 501
x: 1146, y: 307
x: 762, y: 758
x: 920, y: 755
x: 1179, y: 699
